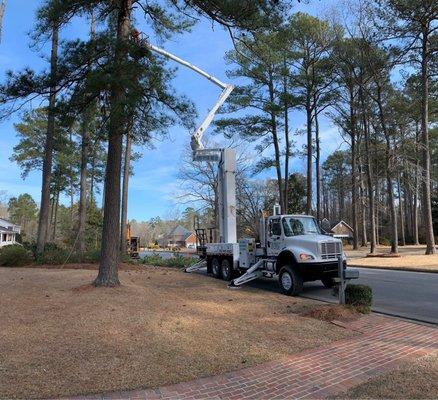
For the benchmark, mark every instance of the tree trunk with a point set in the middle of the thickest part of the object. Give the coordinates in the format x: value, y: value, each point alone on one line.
x: 83, y: 187
x: 407, y: 201
x: 309, y: 156
x: 425, y: 153
x: 364, y: 237
x: 110, y: 256
x: 276, y: 145
x: 415, y: 209
x: 49, y: 237
x: 353, y: 173
x: 317, y: 167
x: 377, y: 211
x: 43, y: 221
x: 55, y: 216
x: 402, y: 215
x: 287, y: 144
x: 83, y: 200
x: 72, y: 185
x: 92, y: 176
x: 341, y: 197
x: 126, y: 170
x: 391, y: 205
x: 392, y: 212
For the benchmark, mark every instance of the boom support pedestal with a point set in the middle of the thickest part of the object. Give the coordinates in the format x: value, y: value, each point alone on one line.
x: 227, y: 196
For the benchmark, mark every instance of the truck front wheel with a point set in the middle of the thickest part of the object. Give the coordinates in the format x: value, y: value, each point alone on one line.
x: 291, y: 283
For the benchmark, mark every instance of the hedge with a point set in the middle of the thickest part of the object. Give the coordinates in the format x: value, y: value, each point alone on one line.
x: 178, y: 261
x: 15, y: 256
x: 53, y: 255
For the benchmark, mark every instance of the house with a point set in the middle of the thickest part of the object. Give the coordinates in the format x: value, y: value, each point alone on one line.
x: 325, y: 226
x: 178, y: 237
x: 342, y: 230
x: 8, y: 232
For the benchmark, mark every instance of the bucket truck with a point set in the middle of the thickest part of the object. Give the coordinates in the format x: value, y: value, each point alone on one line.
x: 290, y: 247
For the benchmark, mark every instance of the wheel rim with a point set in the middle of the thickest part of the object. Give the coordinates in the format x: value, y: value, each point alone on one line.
x: 215, y: 266
x: 225, y: 268
x: 286, y: 281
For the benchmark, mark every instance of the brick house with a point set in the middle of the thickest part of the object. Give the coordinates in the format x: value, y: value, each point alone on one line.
x: 342, y: 230
x: 178, y: 237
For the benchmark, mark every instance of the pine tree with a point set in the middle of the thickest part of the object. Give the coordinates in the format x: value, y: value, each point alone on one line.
x: 413, y: 22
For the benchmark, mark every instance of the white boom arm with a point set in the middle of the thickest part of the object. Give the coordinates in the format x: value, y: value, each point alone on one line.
x: 225, y: 157
x: 196, y: 141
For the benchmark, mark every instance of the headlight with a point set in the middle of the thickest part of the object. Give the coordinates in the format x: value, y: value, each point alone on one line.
x: 306, y: 257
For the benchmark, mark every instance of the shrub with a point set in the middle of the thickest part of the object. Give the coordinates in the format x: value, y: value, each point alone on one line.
x: 15, y: 256
x: 92, y: 256
x: 384, y: 241
x: 178, y: 261
x: 126, y: 258
x: 360, y: 297
x: 30, y: 246
x: 153, y: 259
x: 53, y: 255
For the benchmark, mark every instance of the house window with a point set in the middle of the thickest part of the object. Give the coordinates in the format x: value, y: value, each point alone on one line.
x: 4, y: 237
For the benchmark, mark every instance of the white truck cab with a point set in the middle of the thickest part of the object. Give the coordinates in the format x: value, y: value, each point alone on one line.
x: 301, y: 235
x: 300, y: 251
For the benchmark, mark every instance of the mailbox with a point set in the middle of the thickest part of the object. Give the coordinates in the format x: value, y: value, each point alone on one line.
x: 351, y: 274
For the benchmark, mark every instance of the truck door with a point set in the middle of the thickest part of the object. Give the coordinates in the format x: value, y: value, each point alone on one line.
x: 274, y: 237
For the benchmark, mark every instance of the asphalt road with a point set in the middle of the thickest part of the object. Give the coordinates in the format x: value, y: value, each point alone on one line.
x: 412, y: 295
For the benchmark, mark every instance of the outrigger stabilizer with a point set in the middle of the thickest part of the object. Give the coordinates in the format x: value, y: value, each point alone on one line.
x: 196, y: 267
x: 251, y: 274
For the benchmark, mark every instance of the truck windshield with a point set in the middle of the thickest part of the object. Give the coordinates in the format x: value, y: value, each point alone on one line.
x: 294, y: 226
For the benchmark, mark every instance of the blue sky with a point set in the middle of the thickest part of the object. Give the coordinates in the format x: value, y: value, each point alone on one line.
x: 154, y: 186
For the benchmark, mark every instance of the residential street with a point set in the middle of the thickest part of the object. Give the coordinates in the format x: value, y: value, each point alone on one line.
x: 406, y: 294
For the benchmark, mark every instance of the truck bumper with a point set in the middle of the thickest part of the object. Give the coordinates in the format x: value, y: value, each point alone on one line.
x: 316, y: 271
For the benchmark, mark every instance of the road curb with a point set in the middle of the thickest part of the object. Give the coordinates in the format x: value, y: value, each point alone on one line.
x: 423, y: 270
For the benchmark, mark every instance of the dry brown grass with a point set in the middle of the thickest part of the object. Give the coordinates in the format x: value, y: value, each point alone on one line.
x: 330, y: 312
x: 416, y: 380
x: 59, y: 336
x: 88, y: 266
x: 405, y: 262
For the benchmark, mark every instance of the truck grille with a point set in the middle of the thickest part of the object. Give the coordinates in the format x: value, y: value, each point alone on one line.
x: 331, y: 250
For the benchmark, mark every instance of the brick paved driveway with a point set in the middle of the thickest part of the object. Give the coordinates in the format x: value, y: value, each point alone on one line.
x: 381, y: 343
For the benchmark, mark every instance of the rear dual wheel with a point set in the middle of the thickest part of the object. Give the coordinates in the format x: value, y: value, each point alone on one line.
x: 222, y: 268
x: 216, y: 268
x: 226, y: 269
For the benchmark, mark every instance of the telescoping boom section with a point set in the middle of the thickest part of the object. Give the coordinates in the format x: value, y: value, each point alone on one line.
x: 226, y: 158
